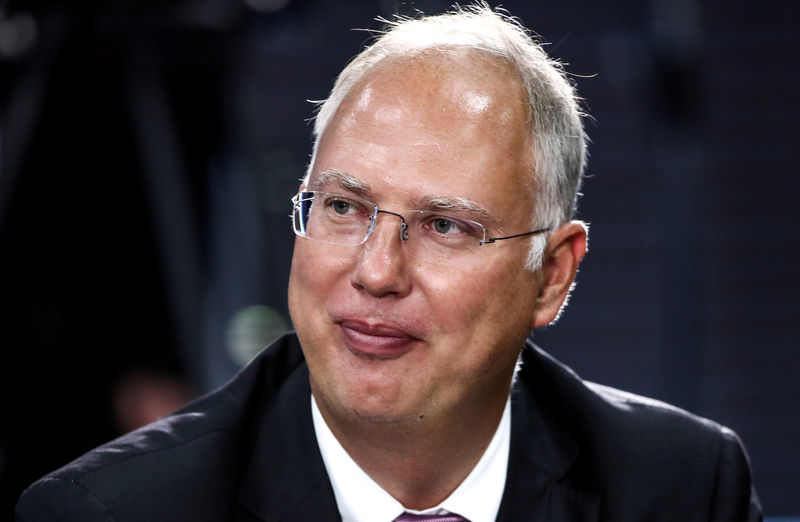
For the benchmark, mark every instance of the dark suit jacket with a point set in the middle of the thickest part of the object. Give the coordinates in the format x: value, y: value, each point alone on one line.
x: 579, y: 452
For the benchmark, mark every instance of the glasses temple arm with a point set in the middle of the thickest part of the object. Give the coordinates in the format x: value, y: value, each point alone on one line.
x: 532, y: 232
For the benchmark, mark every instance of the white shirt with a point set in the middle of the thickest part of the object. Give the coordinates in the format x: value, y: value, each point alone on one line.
x: 361, y: 499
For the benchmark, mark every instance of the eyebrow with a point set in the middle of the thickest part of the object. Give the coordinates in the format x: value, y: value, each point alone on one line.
x: 457, y: 204
x: 342, y: 180
x: 351, y: 183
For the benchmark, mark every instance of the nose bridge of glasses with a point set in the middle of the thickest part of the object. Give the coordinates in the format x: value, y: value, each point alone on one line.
x: 403, y: 224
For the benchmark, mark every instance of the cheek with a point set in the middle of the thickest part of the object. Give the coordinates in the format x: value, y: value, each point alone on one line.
x: 489, y: 311
x: 482, y: 322
x: 315, y: 267
x: 312, y: 278
x: 466, y: 300
x: 449, y: 297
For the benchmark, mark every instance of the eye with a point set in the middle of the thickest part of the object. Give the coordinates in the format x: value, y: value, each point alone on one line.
x: 341, y: 207
x: 445, y: 226
x: 337, y: 205
x: 452, y: 228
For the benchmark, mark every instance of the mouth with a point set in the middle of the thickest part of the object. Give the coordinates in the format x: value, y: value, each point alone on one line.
x: 376, y: 341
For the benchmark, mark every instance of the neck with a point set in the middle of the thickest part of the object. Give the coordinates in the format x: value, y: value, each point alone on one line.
x: 419, y: 463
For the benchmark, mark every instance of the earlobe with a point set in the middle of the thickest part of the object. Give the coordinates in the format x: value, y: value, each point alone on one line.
x: 565, y: 248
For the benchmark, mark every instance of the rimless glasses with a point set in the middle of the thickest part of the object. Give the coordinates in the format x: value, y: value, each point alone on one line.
x: 427, y: 235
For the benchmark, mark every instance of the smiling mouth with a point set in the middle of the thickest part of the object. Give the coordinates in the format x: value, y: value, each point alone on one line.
x: 376, y: 341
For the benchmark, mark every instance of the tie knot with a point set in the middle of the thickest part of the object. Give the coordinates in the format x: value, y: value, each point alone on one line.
x: 409, y: 517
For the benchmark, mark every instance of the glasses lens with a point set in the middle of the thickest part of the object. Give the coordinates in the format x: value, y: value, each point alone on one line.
x: 431, y: 237
x: 442, y: 239
x: 332, y: 218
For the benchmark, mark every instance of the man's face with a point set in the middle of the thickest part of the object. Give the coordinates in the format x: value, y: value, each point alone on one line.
x: 390, y: 338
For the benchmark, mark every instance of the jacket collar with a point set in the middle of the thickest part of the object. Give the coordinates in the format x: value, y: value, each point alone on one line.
x: 543, y: 452
x: 285, y: 478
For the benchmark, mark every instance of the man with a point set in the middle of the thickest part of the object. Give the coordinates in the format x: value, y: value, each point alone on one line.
x: 434, y: 234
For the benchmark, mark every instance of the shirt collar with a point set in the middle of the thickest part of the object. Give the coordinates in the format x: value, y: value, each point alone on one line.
x: 361, y: 499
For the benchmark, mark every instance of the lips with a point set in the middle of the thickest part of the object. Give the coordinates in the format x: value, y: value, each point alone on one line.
x: 377, y: 341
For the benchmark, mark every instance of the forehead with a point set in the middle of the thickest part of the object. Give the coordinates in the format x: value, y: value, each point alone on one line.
x: 452, y: 123
x: 445, y: 86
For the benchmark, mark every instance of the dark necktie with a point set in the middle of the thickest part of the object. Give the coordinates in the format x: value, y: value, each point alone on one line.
x: 408, y: 517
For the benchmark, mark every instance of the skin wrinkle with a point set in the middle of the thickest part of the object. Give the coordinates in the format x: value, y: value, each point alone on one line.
x: 341, y: 179
x: 474, y: 210
x: 397, y: 415
x: 500, y: 46
x: 440, y: 398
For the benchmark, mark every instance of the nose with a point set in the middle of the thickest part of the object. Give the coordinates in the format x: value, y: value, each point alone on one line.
x: 381, y: 267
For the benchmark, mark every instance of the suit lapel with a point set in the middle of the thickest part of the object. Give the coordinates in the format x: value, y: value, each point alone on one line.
x: 285, y: 479
x: 542, y: 457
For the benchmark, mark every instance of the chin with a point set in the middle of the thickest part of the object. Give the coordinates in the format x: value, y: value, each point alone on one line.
x: 371, y: 411
x: 394, y: 418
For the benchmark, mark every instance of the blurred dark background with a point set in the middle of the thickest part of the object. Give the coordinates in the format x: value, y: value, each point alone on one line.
x: 148, y: 151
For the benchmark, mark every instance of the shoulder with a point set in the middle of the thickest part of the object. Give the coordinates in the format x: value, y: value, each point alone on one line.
x: 193, y: 452
x: 609, y: 412
x: 637, y: 450
x: 175, y: 454
x: 649, y: 431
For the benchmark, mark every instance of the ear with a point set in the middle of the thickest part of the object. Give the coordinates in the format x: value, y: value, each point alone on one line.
x: 565, y: 249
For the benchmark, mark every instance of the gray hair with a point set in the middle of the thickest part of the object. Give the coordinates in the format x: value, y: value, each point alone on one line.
x: 559, y: 140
